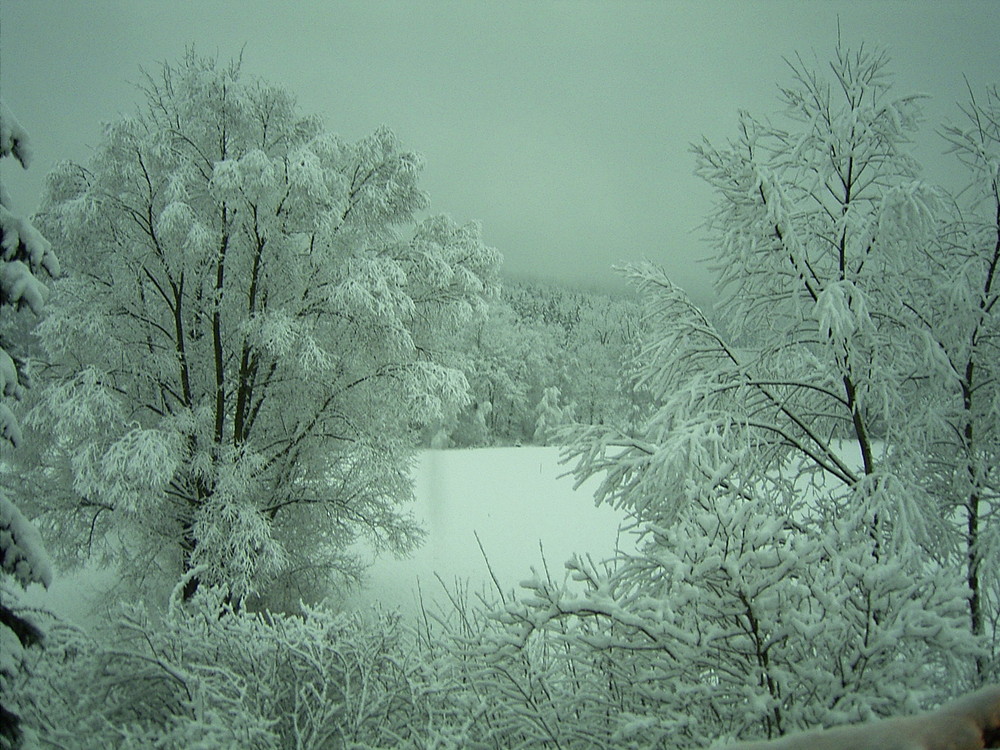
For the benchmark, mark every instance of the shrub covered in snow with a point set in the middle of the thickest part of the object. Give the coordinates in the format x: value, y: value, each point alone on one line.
x: 208, y: 676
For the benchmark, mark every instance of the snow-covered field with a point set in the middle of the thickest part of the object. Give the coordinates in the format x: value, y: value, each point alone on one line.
x: 518, y: 504
x: 513, y: 498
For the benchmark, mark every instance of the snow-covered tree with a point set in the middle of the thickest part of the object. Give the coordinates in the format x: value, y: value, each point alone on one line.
x: 788, y: 540
x: 817, y: 227
x: 508, y: 361
x: 550, y: 415
x: 599, y: 345
x: 246, y: 343
x: 24, y: 255
x: 594, y: 332
x: 961, y: 459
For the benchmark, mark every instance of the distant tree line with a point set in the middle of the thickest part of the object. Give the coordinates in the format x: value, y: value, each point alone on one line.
x: 542, y: 357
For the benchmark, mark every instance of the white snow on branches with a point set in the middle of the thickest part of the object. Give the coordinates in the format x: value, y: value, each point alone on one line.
x: 13, y: 138
x: 22, y: 554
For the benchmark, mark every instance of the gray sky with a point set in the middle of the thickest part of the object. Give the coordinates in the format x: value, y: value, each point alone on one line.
x: 563, y: 127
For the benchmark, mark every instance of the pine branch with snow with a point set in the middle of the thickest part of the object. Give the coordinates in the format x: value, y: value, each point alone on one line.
x: 24, y: 253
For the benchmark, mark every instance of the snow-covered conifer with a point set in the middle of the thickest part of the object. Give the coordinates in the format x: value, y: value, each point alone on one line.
x: 550, y: 416
x: 24, y: 255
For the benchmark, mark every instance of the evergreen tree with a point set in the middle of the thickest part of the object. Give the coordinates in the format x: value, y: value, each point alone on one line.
x: 24, y: 254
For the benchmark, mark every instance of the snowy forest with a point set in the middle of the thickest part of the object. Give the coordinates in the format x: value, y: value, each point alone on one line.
x: 227, y: 336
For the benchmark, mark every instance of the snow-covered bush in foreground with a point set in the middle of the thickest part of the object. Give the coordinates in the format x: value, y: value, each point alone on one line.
x: 738, y: 624
x: 230, y: 680
x: 556, y: 669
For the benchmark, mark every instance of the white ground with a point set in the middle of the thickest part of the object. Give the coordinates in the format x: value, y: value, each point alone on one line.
x: 517, y: 502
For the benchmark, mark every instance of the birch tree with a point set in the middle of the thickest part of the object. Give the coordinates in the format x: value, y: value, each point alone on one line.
x: 961, y: 459
x: 796, y: 570
x: 817, y: 227
x: 245, y: 344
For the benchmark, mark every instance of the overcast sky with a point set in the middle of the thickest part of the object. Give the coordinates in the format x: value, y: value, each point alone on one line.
x: 563, y: 127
